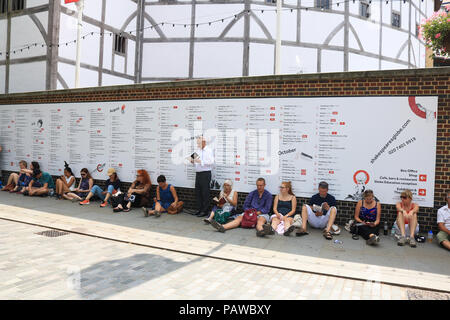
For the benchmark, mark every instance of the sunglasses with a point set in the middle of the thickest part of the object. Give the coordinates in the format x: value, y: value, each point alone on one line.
x: 403, y: 197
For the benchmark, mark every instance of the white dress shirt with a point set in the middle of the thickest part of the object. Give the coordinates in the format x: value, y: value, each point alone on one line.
x: 443, y: 216
x: 206, y: 157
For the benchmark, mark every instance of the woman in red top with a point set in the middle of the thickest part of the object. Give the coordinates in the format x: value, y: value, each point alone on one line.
x: 407, y: 218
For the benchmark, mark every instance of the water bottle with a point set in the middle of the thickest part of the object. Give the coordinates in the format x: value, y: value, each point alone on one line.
x: 430, y: 236
x: 338, y: 241
x: 385, y: 232
x: 393, y: 232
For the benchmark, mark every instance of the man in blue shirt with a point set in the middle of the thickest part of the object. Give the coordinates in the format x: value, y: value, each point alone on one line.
x: 320, y: 212
x: 260, y: 200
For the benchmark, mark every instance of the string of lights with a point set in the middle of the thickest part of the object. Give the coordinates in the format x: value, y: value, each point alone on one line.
x: 176, y: 24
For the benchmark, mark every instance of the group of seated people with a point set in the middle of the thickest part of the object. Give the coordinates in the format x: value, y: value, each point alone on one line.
x: 261, y: 211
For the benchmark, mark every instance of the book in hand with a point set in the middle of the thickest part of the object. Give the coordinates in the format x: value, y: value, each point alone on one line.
x: 317, y: 208
x: 221, y: 201
x: 194, y: 156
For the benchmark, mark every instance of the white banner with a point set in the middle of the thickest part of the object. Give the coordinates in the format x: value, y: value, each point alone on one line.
x: 386, y: 144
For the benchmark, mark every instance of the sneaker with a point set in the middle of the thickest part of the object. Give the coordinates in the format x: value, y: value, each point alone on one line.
x: 144, y: 209
x: 372, y: 240
x: 412, y: 243
x: 401, y: 241
x: 84, y: 202
x: 207, y: 221
x: 335, y: 230
x: 348, y: 225
x: 218, y: 226
x: 104, y: 204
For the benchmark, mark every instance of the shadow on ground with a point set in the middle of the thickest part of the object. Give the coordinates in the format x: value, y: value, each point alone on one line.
x: 428, y: 257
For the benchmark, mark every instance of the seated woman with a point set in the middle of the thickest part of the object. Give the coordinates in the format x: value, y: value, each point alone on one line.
x: 65, y: 183
x: 17, y: 181
x: 112, y: 186
x: 224, y: 208
x: 284, y: 206
x: 166, y: 199
x: 367, y: 218
x: 138, y: 194
x: 83, y: 189
x: 406, y: 223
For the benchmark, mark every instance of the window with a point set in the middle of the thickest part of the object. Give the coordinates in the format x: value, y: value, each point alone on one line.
x: 364, y: 10
x: 18, y: 5
x: 3, y: 6
x: 271, y: 1
x: 120, y: 44
x: 396, y: 19
x: 323, y: 4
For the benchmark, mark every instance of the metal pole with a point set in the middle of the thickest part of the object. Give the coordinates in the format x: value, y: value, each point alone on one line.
x: 278, y: 39
x: 80, y: 7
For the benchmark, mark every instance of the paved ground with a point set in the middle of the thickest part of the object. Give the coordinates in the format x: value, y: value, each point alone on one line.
x: 74, y: 266
x: 425, y: 267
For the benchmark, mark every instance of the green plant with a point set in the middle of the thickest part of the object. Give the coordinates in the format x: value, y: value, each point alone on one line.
x: 435, y: 31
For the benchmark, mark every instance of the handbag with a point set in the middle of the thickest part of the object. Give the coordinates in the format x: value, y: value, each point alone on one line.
x: 249, y: 219
x: 221, y: 217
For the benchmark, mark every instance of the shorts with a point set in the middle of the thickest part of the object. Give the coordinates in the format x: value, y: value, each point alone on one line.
x: 407, y: 232
x: 163, y: 204
x: 442, y: 236
x: 265, y: 216
x: 318, y: 222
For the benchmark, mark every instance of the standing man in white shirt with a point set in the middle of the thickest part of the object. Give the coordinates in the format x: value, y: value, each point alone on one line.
x: 443, y: 221
x: 203, y: 162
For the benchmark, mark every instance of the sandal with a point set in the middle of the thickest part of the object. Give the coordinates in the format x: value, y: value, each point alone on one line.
x: 117, y: 209
x: 328, y: 235
x: 126, y: 210
x: 207, y: 221
x: 301, y: 232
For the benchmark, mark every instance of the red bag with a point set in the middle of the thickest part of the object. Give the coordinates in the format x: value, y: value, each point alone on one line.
x: 249, y: 219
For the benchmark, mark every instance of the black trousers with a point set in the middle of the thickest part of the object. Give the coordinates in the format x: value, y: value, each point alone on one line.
x: 366, y: 231
x: 202, y: 191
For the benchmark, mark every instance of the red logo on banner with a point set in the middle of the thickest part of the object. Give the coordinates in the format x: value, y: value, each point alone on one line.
x: 170, y: 150
x: 303, y: 172
x: 98, y: 131
x: 304, y: 136
x: 175, y: 107
x: 58, y: 127
x: 70, y: 1
x: 268, y: 171
x: 272, y: 114
x: 423, y: 177
x: 335, y: 113
x: 175, y: 125
x: 120, y: 165
x: 261, y: 159
x: 12, y: 164
x: 99, y: 109
x: 334, y: 133
x: 333, y: 120
x: 59, y: 170
x: 331, y: 172
x: 28, y: 155
x: 59, y: 110
x: 199, y: 118
x: 238, y: 156
x: 272, y: 108
x: 342, y: 123
x: 237, y: 179
x: 238, y: 172
x: 238, y: 163
x: 365, y: 173
x: 9, y: 127
x: 422, y: 192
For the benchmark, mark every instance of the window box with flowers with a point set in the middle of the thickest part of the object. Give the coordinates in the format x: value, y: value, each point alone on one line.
x: 435, y: 31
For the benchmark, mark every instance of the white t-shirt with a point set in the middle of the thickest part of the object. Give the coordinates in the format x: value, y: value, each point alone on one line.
x: 443, y: 216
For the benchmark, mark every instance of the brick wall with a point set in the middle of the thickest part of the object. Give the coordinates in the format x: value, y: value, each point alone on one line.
x: 433, y: 81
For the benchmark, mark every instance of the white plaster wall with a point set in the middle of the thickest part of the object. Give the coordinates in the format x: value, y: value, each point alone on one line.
x: 261, y: 59
x: 332, y: 61
x: 2, y: 79
x: 218, y: 60
x: 36, y: 3
x: 20, y: 79
x: 298, y: 60
x: 358, y: 62
x: 166, y: 60
x: 316, y: 26
x: 109, y: 80
x: 174, y: 14
x: 21, y: 40
x: 368, y: 33
x: 117, y: 15
x: 3, y: 26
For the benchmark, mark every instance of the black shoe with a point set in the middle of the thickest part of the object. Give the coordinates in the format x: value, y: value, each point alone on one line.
x: 25, y: 193
x: 217, y: 226
x: 289, y: 231
x: 260, y: 233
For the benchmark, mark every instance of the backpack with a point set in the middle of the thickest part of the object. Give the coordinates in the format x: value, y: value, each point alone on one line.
x: 221, y: 217
x: 249, y: 219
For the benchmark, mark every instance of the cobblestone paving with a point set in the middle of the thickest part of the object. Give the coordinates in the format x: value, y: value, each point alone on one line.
x: 73, y: 266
